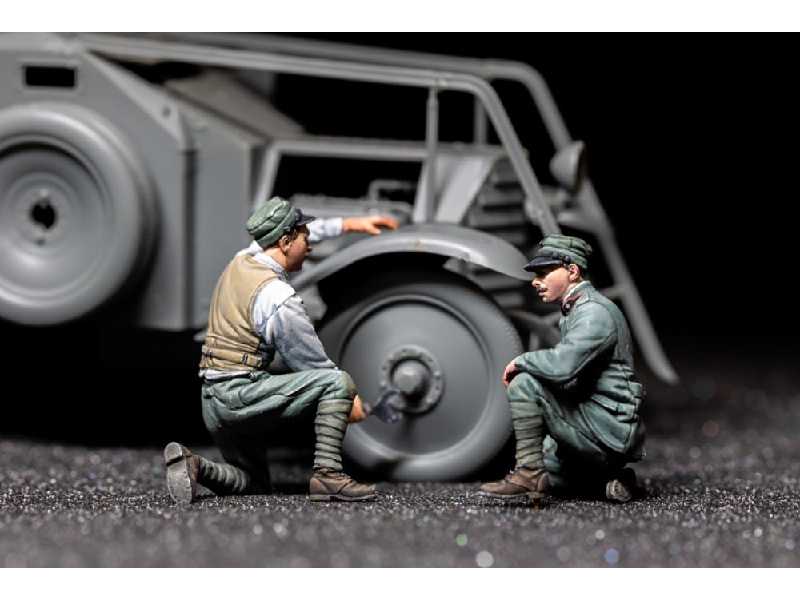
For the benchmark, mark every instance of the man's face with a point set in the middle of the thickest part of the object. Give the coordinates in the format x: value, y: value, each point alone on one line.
x: 551, y: 283
x: 297, y: 249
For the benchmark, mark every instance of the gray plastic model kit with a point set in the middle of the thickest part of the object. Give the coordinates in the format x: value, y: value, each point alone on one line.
x: 114, y: 186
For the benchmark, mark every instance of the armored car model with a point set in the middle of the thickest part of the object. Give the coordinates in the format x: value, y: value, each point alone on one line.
x: 129, y: 164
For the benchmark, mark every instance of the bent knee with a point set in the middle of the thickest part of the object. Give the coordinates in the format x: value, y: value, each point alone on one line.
x: 341, y: 384
x: 336, y: 383
x: 523, y: 386
x: 347, y: 383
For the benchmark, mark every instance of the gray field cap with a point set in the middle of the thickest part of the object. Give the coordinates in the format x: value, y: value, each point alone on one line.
x: 274, y: 218
x: 560, y: 250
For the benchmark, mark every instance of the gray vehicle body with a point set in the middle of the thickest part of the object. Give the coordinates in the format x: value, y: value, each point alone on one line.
x: 114, y: 188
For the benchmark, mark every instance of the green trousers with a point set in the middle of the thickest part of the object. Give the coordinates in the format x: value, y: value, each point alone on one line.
x: 552, y: 433
x: 241, y: 412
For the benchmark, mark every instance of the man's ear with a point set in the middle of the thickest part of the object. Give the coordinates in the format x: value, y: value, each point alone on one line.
x: 574, y: 272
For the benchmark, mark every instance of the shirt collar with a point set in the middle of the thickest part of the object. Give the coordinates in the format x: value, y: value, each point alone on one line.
x: 260, y: 256
x: 267, y: 260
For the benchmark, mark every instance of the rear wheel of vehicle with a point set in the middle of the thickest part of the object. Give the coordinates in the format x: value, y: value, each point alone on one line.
x: 76, y: 213
x: 444, y: 344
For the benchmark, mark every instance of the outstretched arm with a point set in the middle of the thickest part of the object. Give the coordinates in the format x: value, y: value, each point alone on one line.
x: 371, y: 224
x: 323, y: 229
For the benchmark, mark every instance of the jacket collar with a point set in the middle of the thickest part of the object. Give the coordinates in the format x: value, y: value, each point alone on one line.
x: 574, y: 295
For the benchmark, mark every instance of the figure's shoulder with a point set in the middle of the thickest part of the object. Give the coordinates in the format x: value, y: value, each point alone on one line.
x: 602, y: 309
x: 593, y: 305
x: 275, y: 292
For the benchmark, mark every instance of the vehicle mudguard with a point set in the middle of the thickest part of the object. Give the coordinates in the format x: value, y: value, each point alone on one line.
x: 442, y: 239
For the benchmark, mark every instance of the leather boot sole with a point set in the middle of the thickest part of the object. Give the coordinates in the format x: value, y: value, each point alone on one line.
x: 342, y: 498
x: 180, y: 485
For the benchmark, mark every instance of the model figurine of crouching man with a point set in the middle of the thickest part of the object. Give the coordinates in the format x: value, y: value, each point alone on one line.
x: 574, y: 407
x: 255, y: 314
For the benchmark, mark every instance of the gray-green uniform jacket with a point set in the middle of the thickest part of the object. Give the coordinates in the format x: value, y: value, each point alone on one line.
x: 591, y: 369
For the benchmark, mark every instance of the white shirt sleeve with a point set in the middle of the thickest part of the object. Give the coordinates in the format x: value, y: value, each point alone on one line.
x: 280, y: 318
x: 268, y: 301
x: 323, y: 229
x: 295, y: 338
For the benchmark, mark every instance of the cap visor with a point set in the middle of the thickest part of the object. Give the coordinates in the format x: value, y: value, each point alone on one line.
x: 303, y: 219
x: 541, y: 262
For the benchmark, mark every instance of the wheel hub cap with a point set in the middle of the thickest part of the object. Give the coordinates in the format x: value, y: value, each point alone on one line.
x: 417, y: 375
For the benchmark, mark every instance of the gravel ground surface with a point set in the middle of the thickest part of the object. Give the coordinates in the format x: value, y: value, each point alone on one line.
x: 722, y: 488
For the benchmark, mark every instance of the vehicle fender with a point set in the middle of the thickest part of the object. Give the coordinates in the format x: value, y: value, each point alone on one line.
x: 442, y: 239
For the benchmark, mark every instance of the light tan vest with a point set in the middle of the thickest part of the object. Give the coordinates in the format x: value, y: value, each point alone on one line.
x: 231, y: 344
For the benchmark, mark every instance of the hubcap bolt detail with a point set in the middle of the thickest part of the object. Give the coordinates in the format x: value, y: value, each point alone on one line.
x: 416, y: 374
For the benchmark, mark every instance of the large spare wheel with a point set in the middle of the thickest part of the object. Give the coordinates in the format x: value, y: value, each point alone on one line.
x: 77, y: 213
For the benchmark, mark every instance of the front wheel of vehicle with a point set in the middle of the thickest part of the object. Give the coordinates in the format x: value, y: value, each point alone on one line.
x: 443, y: 343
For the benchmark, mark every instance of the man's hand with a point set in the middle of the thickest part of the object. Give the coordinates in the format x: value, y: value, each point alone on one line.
x: 369, y: 225
x: 357, y: 413
x: 509, y: 373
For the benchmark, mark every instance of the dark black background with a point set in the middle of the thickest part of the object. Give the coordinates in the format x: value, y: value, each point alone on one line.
x: 692, y: 148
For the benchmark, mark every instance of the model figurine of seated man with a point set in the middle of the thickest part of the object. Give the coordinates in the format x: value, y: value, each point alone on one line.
x: 255, y: 314
x: 574, y: 407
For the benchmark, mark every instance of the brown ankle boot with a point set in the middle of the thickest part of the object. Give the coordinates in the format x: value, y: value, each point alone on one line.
x: 327, y: 485
x: 182, y: 468
x: 521, y: 482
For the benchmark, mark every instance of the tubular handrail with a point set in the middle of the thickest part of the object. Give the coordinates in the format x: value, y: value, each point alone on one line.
x: 123, y: 47
x: 488, y: 69
x: 350, y: 148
